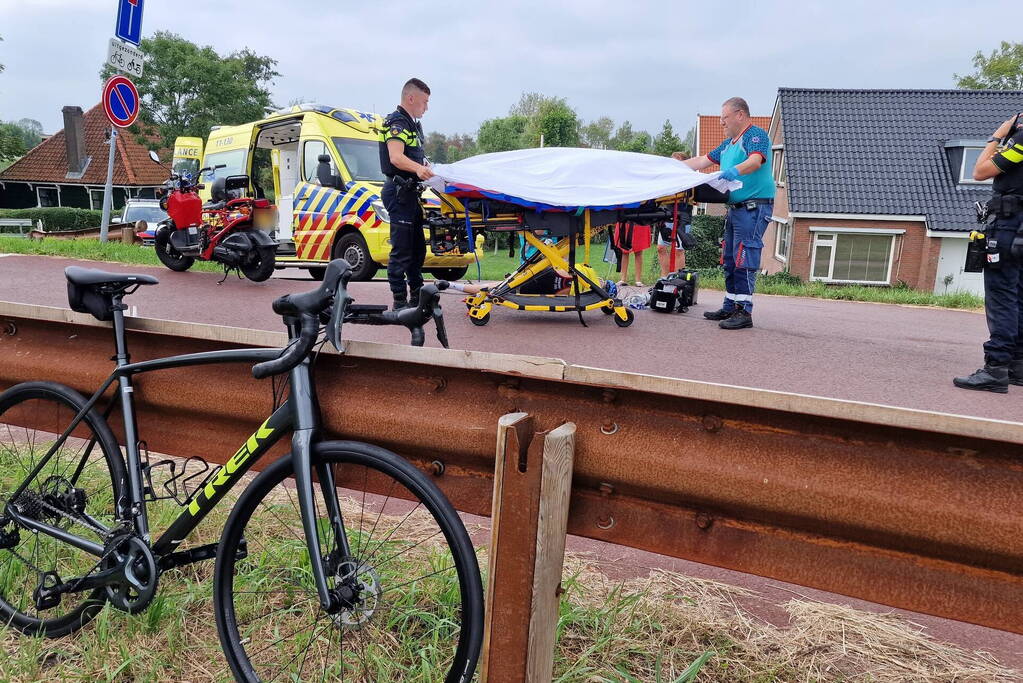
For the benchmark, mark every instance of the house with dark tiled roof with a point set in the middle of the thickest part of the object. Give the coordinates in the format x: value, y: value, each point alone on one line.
x: 876, y: 186
x: 709, y: 134
x: 69, y: 168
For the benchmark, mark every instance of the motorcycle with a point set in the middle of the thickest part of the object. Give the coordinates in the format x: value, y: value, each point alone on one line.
x: 231, y: 230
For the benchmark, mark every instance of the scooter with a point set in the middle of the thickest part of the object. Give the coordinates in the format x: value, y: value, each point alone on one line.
x: 232, y: 229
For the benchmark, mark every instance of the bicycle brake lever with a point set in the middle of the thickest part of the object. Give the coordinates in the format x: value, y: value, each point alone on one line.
x: 438, y: 320
x: 337, y: 315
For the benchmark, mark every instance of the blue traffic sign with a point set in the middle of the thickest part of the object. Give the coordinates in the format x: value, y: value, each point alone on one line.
x: 129, y: 20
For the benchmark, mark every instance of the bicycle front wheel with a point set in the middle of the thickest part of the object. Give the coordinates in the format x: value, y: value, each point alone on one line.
x: 76, y: 491
x: 403, y: 568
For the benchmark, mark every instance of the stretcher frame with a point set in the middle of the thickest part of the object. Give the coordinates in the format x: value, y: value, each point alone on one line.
x: 454, y: 214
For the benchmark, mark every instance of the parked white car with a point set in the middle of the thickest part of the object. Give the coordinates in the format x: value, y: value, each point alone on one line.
x: 147, y: 210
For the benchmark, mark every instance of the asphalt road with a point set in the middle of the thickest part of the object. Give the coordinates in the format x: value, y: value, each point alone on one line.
x: 893, y: 355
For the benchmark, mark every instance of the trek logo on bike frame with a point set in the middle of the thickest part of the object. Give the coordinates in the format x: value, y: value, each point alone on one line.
x: 262, y: 436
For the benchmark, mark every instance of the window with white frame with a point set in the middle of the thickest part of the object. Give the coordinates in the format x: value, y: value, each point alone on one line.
x: 778, y: 164
x: 96, y: 199
x: 47, y: 196
x: 970, y: 156
x: 782, y: 240
x: 852, y: 257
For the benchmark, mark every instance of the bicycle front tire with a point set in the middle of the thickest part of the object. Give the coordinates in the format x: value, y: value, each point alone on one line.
x: 415, y: 601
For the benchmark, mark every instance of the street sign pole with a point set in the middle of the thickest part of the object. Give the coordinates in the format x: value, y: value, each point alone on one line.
x: 108, y: 191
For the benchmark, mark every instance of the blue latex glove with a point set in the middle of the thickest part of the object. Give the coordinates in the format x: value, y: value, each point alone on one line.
x: 730, y: 173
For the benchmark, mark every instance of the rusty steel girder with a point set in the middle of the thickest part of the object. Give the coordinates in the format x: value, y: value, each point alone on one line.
x: 906, y: 508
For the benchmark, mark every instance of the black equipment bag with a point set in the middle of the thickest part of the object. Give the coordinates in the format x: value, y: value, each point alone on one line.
x: 675, y: 292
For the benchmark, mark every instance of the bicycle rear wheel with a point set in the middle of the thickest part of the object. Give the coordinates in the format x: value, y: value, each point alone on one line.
x: 410, y: 581
x: 76, y: 491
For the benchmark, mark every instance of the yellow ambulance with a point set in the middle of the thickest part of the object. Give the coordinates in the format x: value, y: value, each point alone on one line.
x: 325, y: 168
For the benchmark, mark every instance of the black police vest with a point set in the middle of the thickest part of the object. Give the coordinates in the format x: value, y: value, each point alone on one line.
x: 411, y: 134
x: 1010, y: 182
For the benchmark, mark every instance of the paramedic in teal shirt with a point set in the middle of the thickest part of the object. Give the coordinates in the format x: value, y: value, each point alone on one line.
x: 746, y: 156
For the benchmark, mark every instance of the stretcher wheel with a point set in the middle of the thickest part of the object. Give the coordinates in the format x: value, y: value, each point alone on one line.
x: 629, y: 317
x: 608, y: 310
x: 480, y: 322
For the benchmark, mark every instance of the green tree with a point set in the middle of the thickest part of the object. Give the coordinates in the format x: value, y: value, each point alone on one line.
x: 12, y: 144
x: 529, y: 104
x: 31, y: 132
x: 626, y: 139
x: 689, y: 146
x: 186, y: 88
x: 436, y: 148
x: 501, y: 134
x: 1002, y: 70
x: 597, y: 134
x: 666, y: 141
x: 556, y: 122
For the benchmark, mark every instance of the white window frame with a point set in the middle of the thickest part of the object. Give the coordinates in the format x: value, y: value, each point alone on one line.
x: 778, y: 169
x: 832, y: 235
x: 39, y: 199
x: 782, y: 225
x: 966, y: 177
x: 92, y: 203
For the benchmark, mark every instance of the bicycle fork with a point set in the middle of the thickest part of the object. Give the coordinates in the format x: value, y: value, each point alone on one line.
x: 307, y: 429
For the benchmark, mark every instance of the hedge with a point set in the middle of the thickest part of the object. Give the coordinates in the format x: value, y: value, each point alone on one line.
x: 58, y: 218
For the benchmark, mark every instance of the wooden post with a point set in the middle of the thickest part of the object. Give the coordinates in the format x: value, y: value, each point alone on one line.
x: 532, y: 485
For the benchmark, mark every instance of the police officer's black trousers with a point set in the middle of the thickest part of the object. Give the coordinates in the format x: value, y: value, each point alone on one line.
x: 408, y: 245
x: 1003, y: 298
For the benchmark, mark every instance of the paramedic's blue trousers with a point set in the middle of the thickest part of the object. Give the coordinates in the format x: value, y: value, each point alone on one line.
x: 744, y: 241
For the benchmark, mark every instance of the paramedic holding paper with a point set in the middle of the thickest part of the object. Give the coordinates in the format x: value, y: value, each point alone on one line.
x: 745, y: 155
x: 403, y: 161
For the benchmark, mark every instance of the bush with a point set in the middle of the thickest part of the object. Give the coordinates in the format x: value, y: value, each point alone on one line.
x: 708, y: 231
x: 58, y: 218
x: 783, y: 277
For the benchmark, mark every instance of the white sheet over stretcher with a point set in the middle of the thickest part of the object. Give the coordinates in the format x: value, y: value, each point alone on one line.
x: 574, y: 177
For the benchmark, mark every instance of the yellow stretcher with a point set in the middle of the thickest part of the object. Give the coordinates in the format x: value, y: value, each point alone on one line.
x: 456, y: 216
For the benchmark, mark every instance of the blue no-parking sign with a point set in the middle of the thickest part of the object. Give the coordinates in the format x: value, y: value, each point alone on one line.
x: 129, y: 20
x: 121, y: 101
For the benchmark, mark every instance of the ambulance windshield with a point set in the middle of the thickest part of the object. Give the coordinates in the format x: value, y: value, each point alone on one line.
x: 362, y: 157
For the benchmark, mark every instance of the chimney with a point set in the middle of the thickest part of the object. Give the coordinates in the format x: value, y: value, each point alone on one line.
x: 74, y: 140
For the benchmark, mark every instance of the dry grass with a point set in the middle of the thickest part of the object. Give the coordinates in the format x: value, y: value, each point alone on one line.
x: 653, y: 628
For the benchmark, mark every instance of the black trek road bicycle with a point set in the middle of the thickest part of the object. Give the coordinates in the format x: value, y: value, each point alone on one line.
x: 339, y: 561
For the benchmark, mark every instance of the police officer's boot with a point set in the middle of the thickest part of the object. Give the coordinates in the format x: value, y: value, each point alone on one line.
x: 740, y: 319
x: 989, y: 378
x: 400, y: 301
x: 1016, y: 372
x: 413, y: 298
x: 720, y: 314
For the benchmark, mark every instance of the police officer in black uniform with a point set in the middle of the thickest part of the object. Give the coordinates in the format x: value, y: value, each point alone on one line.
x: 403, y: 161
x: 1002, y: 160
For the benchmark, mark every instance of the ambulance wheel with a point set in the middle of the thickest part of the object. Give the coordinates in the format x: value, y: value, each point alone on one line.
x: 480, y: 322
x: 629, y: 317
x: 318, y: 273
x: 352, y: 248
x: 449, y: 274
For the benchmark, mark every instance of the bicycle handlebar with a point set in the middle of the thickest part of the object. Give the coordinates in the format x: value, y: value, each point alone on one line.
x: 294, y: 352
x: 332, y: 295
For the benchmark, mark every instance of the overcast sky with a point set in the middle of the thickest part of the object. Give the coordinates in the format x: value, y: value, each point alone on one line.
x: 629, y: 59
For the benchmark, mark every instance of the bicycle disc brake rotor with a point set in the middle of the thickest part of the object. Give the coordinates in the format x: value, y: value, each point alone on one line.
x: 134, y: 585
x: 363, y: 583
